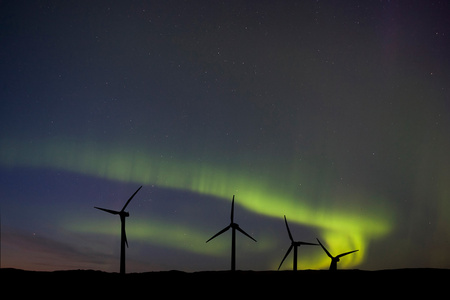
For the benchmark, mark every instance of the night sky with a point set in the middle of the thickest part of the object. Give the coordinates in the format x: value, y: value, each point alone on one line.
x: 333, y: 113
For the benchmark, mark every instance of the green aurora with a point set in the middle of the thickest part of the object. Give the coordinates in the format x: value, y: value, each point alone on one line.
x: 343, y: 227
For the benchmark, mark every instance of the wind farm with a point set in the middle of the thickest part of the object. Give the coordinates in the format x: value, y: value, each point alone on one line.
x: 334, y: 114
x: 268, y: 281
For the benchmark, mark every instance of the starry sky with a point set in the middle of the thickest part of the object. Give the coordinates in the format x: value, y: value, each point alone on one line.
x: 333, y: 113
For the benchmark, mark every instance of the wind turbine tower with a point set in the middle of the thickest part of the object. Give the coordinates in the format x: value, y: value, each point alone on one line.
x: 334, y: 259
x: 233, y: 227
x: 123, y: 236
x: 294, y: 245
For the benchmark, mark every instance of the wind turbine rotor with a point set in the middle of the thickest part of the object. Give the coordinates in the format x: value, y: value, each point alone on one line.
x: 287, y: 227
x: 232, y: 210
x: 125, y: 238
x: 243, y: 232
x: 286, y: 255
x: 126, y: 204
x: 325, y: 249
x: 114, y: 212
x: 346, y: 253
x: 219, y: 233
x: 305, y: 243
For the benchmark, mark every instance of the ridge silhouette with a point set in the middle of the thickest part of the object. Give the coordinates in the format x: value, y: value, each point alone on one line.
x: 123, y: 236
x: 334, y: 259
x: 294, y: 245
x: 233, y: 227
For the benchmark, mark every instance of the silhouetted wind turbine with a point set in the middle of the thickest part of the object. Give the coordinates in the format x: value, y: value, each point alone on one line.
x: 233, y: 227
x: 294, y: 245
x: 334, y: 259
x: 123, y: 236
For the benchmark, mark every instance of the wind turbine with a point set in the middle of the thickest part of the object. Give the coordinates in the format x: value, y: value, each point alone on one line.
x: 294, y: 245
x: 123, y: 236
x: 334, y: 259
x: 233, y: 227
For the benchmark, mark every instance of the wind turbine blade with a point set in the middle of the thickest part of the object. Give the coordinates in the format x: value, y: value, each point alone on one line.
x: 325, y: 249
x: 289, y: 232
x: 125, y: 238
x: 287, y: 253
x: 305, y: 243
x: 220, y: 232
x: 131, y: 198
x: 346, y: 253
x: 114, y: 212
x: 242, y: 231
x: 232, y: 210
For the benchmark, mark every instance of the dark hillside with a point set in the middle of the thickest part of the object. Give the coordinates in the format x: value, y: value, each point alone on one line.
x: 401, y: 282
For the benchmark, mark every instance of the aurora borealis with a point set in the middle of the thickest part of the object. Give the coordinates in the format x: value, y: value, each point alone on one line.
x: 333, y: 114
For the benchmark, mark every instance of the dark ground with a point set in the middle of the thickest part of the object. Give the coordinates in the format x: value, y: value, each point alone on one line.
x: 348, y: 283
